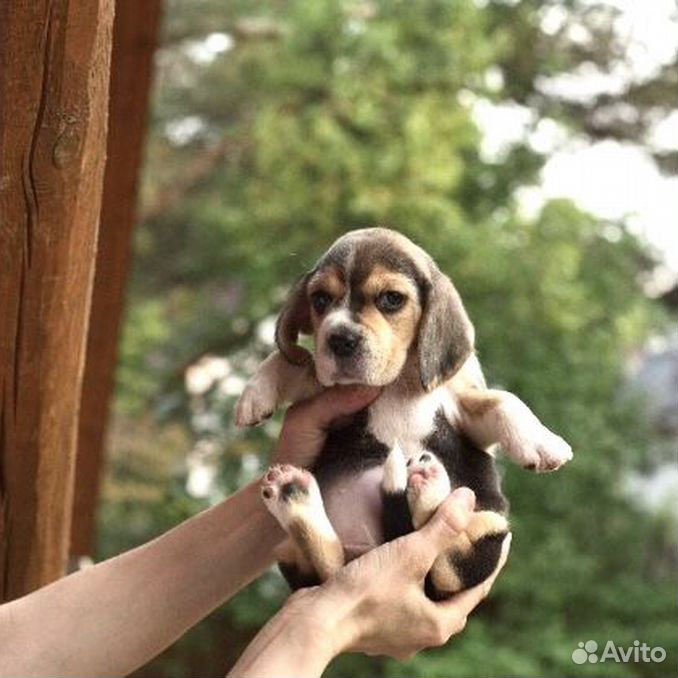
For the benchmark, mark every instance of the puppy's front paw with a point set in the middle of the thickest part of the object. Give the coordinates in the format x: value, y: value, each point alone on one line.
x: 289, y: 491
x: 544, y: 452
x: 427, y: 486
x: 258, y: 402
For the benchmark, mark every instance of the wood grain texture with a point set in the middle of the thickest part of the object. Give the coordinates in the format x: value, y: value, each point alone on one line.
x: 54, y: 72
x: 135, y: 36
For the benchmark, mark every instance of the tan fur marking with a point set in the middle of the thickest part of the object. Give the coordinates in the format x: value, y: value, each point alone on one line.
x: 461, y: 544
x: 393, y: 333
x: 483, y: 523
x: 289, y: 553
x: 329, y: 280
x: 324, y: 553
x: 371, y: 318
x: 444, y: 576
x: 478, y: 403
x: 382, y: 279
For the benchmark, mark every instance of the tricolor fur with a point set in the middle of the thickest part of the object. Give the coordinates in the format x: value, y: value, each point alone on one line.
x: 383, y: 314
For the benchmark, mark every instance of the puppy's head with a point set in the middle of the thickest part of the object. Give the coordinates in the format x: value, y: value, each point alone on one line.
x: 374, y: 301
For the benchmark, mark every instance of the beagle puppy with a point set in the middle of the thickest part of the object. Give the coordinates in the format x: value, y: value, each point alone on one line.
x: 382, y: 314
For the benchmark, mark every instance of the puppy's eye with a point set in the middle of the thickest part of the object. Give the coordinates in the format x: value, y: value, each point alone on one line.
x: 321, y: 301
x: 390, y: 301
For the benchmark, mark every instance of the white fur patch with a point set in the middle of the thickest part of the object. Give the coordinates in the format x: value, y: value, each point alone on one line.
x: 325, y: 363
x: 307, y: 507
x: 260, y: 397
x: 525, y: 439
x: 409, y: 419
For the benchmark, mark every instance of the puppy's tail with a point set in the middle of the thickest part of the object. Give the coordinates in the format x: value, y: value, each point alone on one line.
x: 397, y: 519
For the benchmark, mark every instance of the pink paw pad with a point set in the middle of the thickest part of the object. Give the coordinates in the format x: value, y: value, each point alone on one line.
x: 425, y: 468
x: 284, y: 481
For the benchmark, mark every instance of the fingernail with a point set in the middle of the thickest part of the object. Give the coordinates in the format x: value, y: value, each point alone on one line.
x: 466, y: 497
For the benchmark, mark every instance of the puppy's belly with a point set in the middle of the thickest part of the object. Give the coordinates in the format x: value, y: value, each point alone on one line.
x: 353, y: 504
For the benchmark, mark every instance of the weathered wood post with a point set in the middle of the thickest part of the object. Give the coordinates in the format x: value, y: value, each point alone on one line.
x: 54, y: 72
x: 135, y: 35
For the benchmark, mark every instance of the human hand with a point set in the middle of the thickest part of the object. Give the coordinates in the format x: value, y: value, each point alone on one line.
x: 306, y: 422
x: 376, y: 604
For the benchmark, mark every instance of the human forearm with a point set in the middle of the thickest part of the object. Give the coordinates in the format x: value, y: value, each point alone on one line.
x: 113, y: 617
x: 300, y: 640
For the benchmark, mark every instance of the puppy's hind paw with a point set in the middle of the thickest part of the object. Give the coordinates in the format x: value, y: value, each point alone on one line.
x: 428, y: 485
x: 289, y: 492
x: 256, y: 404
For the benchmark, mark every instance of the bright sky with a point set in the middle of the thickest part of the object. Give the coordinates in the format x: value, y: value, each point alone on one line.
x: 609, y: 179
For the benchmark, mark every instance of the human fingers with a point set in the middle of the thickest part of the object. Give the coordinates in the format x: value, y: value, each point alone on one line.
x: 438, y: 534
x: 321, y: 410
x: 306, y: 422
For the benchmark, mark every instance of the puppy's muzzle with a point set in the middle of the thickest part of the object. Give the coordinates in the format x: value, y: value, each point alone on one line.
x: 344, y: 343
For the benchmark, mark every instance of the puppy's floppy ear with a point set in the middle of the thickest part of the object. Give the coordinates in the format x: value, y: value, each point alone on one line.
x: 294, y: 318
x: 446, y: 334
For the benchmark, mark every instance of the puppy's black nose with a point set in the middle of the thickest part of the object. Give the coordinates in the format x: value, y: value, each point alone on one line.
x: 344, y: 343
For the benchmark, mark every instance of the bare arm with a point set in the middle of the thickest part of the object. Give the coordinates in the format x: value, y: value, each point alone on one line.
x: 376, y: 605
x: 298, y: 641
x: 109, y: 619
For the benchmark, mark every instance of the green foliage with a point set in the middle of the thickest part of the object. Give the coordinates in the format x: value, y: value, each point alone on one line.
x: 335, y: 115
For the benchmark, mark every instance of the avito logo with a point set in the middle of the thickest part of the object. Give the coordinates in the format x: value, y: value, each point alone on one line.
x: 638, y: 652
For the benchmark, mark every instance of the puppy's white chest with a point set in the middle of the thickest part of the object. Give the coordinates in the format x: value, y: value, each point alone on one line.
x: 399, y: 417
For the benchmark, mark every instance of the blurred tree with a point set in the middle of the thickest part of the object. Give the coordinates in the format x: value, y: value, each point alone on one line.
x: 277, y: 131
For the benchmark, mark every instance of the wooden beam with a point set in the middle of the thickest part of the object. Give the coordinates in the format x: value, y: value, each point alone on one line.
x: 54, y: 72
x: 135, y: 36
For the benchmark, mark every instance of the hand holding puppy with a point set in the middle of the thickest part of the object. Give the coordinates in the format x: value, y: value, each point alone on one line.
x: 375, y: 604
x: 306, y: 422
x: 386, y: 611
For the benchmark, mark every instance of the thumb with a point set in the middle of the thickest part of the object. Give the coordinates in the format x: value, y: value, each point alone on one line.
x: 451, y: 518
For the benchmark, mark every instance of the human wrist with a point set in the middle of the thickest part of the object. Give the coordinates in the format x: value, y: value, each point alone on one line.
x: 334, y: 613
x: 310, y: 632
x: 297, y: 642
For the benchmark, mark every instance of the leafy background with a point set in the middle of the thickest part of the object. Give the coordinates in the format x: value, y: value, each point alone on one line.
x: 279, y: 126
